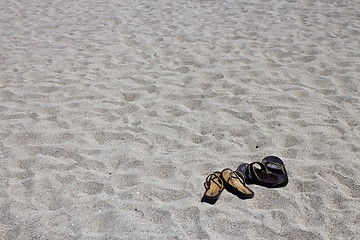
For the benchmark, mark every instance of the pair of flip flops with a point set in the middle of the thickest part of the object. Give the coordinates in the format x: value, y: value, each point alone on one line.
x: 270, y: 172
x: 233, y: 181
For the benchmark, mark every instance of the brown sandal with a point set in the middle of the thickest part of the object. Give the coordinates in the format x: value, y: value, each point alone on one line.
x: 214, y: 185
x: 260, y: 176
x: 277, y: 167
x: 235, y: 183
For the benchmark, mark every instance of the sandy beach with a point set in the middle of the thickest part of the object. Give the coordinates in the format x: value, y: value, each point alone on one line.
x: 113, y: 113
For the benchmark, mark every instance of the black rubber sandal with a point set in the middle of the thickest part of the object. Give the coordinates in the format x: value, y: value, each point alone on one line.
x: 214, y: 185
x: 235, y: 183
x: 260, y: 176
x: 277, y: 167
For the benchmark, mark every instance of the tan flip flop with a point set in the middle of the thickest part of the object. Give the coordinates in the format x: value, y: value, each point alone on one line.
x: 214, y: 185
x: 235, y: 183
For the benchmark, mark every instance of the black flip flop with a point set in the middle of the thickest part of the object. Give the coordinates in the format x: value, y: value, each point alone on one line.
x: 260, y: 176
x: 277, y: 167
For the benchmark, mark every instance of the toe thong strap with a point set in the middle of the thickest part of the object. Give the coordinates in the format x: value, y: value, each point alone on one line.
x: 252, y: 170
x: 212, y: 177
x: 238, y: 175
x: 279, y: 166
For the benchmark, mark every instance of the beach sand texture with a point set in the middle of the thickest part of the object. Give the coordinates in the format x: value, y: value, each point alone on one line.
x: 113, y: 113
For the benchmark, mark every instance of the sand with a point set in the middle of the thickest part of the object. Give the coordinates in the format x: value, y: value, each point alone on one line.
x: 113, y: 113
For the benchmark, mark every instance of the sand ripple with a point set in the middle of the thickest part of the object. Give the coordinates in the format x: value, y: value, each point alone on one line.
x: 112, y: 114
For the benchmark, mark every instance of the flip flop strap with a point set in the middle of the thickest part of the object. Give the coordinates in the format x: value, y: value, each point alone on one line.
x: 252, y: 171
x: 278, y: 165
x: 211, y: 177
x: 238, y: 175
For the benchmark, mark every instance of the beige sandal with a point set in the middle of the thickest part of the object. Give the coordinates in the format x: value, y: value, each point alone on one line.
x: 235, y: 183
x: 214, y: 185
